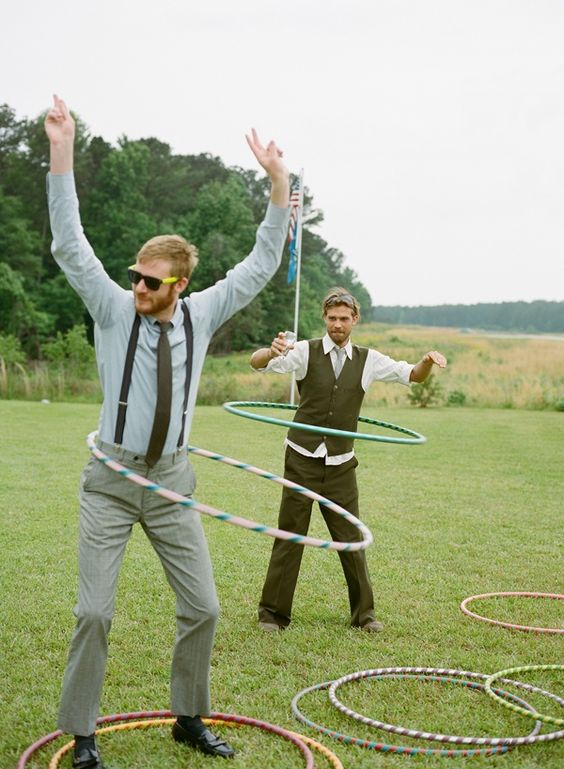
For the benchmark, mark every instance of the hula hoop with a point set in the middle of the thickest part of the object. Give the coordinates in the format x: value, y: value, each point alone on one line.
x: 511, y: 625
x: 501, y: 747
x: 329, y: 755
x: 237, y: 408
x: 164, y: 717
x: 523, y: 669
x: 245, y: 523
x: 419, y: 734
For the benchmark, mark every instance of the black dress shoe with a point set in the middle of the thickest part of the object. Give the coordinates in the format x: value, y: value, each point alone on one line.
x: 206, y: 741
x: 87, y: 758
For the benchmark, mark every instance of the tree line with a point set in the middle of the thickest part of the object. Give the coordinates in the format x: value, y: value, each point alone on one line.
x: 128, y: 193
x: 529, y: 317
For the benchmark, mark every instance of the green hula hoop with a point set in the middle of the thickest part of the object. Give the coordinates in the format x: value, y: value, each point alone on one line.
x: 238, y: 408
x: 517, y: 708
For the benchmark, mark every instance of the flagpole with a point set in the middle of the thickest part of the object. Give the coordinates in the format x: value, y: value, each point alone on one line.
x: 298, y: 275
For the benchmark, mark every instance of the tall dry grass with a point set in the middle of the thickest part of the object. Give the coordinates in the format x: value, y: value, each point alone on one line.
x: 521, y: 372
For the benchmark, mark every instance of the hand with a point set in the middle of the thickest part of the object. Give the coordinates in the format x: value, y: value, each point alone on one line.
x: 59, y: 123
x: 269, y: 157
x: 279, y: 345
x: 435, y: 357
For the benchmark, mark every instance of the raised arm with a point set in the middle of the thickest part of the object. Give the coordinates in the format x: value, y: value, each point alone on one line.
x: 270, y: 158
x: 261, y: 357
x: 421, y: 370
x: 59, y: 127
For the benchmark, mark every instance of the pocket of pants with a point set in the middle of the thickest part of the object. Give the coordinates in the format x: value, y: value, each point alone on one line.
x: 87, y: 478
x: 180, y: 478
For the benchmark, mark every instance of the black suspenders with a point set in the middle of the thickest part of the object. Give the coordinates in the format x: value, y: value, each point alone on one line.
x: 128, y: 368
x: 126, y: 380
x: 189, y: 353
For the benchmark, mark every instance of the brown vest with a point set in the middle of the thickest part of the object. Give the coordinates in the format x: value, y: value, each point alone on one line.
x: 329, y: 402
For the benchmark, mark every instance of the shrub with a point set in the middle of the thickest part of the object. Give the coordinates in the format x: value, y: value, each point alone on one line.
x: 11, y: 349
x: 425, y: 393
x: 456, y: 398
x: 71, y: 351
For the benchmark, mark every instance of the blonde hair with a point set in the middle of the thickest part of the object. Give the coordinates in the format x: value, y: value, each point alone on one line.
x: 182, y: 256
x: 339, y: 295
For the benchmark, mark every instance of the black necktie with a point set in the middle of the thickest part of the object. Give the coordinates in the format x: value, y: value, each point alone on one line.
x: 164, y: 398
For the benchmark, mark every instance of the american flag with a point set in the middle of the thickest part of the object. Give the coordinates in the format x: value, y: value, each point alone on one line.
x: 293, y: 231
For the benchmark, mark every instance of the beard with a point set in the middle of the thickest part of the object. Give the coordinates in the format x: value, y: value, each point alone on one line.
x: 151, y: 303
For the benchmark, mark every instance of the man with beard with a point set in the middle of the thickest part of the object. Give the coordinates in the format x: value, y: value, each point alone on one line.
x: 150, y: 349
x: 333, y: 376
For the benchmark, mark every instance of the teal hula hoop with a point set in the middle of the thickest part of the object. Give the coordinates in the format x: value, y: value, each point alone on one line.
x: 238, y: 408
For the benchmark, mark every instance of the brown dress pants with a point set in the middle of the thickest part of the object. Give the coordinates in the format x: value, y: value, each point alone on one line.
x: 337, y: 483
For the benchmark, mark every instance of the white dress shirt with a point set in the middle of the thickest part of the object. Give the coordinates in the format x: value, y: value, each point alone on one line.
x: 378, y: 368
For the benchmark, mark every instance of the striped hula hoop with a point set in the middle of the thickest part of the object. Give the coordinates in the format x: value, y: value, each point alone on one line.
x: 520, y: 594
x: 452, y: 677
x: 515, y: 707
x: 245, y: 523
x: 128, y: 721
x: 487, y: 746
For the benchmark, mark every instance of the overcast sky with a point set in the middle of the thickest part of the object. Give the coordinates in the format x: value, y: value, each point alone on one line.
x: 430, y: 131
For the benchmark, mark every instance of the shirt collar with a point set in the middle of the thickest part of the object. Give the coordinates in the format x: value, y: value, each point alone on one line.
x: 329, y: 344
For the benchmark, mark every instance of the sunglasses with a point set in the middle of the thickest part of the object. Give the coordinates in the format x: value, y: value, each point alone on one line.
x: 153, y: 284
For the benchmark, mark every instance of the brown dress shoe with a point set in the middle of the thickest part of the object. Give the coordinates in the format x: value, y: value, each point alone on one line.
x: 373, y: 626
x: 270, y: 627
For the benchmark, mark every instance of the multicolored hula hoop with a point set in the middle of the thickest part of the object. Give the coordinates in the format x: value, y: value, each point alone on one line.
x: 445, y: 676
x: 237, y: 408
x: 517, y: 708
x: 497, y: 744
x: 299, y: 539
x: 511, y: 625
x: 165, y: 717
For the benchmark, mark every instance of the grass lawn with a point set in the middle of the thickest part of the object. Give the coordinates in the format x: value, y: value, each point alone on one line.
x: 476, y: 509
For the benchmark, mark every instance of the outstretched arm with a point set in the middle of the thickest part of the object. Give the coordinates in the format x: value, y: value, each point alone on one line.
x: 270, y: 158
x: 59, y: 127
x: 421, y: 370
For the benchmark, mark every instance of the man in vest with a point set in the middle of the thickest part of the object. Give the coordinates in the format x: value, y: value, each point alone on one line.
x: 150, y: 349
x: 333, y: 376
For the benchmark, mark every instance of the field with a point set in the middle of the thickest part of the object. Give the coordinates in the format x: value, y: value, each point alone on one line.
x: 485, y: 370
x: 478, y: 508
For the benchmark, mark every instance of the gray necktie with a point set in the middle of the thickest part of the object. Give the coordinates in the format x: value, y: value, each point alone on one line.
x: 340, y: 361
x: 164, y: 397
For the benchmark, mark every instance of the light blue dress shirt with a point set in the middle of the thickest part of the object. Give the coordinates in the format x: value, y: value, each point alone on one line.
x: 113, y: 310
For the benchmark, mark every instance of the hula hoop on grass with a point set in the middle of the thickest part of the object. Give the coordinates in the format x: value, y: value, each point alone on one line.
x: 384, y: 747
x: 523, y: 669
x: 502, y: 746
x: 164, y: 717
x: 511, y: 625
x: 237, y: 408
x: 245, y: 523
x: 379, y: 674
x: 150, y: 722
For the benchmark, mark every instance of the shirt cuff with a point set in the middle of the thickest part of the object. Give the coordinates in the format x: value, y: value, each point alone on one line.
x: 275, y: 215
x: 61, y: 184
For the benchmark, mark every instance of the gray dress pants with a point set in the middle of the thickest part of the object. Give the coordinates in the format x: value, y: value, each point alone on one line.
x: 109, y: 506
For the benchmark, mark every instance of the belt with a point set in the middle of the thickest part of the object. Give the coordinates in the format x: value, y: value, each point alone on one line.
x: 126, y: 457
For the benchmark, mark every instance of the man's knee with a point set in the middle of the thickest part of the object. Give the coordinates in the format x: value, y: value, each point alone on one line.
x: 93, y: 620
x: 203, y: 612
